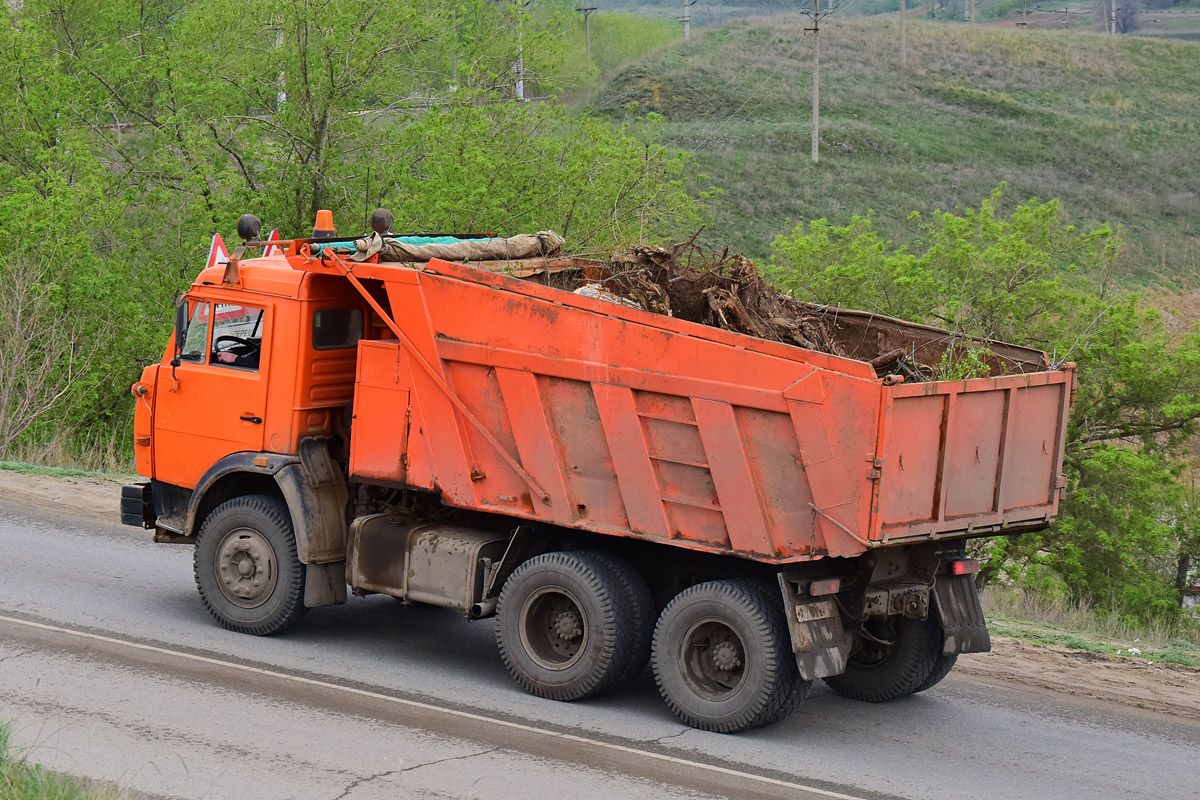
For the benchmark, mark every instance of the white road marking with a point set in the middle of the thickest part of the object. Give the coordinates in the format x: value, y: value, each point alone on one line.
x: 436, y: 709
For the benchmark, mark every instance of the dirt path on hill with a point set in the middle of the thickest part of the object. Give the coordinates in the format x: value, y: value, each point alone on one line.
x: 1156, y: 687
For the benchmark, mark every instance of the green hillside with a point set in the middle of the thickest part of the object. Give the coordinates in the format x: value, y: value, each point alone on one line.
x: 1111, y: 125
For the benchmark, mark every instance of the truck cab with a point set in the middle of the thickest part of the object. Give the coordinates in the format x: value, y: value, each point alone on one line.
x: 265, y: 361
x: 259, y: 368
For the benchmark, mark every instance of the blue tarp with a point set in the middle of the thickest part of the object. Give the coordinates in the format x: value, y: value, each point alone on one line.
x: 317, y: 247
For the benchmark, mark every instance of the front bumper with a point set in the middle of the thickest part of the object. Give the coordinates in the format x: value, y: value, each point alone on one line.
x: 137, y: 507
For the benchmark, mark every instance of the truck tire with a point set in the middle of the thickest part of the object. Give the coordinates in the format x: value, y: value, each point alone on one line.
x: 877, y: 673
x: 642, y: 615
x: 941, y: 666
x: 567, y: 626
x: 723, y: 658
x: 247, y: 570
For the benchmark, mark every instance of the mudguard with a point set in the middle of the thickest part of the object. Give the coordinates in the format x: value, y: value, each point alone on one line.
x: 957, y: 602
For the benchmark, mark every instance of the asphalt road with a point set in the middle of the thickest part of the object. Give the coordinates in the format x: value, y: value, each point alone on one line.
x: 110, y: 668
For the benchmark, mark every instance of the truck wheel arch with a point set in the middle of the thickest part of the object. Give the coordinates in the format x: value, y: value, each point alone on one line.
x: 314, y: 492
x: 233, y: 476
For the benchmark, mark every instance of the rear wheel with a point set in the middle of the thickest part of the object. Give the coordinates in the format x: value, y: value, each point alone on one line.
x: 895, y: 657
x: 723, y: 658
x: 567, y: 625
x: 247, y: 569
x: 941, y: 665
x: 641, y: 614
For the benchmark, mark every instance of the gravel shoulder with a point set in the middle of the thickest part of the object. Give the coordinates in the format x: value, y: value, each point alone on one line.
x: 90, y: 498
x: 1157, y: 687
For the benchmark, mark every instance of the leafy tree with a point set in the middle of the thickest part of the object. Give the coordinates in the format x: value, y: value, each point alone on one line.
x: 133, y: 130
x: 472, y: 168
x: 1032, y: 278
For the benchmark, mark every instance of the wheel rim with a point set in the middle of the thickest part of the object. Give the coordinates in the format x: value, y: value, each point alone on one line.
x: 247, y: 569
x: 713, y: 657
x: 554, y: 629
x: 876, y: 650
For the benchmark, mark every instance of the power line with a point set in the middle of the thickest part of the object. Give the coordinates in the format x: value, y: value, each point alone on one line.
x: 837, y: 8
x: 751, y: 96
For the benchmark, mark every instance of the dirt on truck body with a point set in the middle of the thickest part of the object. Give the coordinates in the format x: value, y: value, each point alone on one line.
x: 610, y: 482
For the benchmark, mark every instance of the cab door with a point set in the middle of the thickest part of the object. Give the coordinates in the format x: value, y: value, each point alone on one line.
x: 213, y: 401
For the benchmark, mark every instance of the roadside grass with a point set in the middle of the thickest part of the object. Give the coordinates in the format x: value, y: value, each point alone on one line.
x: 1038, y: 621
x: 1106, y: 124
x: 21, y: 780
x: 63, y: 472
x: 101, y: 455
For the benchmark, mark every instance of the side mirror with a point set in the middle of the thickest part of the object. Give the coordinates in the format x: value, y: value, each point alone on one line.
x: 181, y: 321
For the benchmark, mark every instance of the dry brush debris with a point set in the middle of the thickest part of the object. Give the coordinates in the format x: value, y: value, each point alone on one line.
x: 727, y: 291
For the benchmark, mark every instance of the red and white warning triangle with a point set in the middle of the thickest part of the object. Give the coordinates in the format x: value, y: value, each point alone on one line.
x: 273, y: 249
x: 217, y: 254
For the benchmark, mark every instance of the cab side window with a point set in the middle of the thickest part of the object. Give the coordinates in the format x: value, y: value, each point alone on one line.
x: 337, y: 328
x: 195, y: 342
x: 237, y: 336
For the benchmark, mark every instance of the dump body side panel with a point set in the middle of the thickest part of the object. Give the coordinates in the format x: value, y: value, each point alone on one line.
x: 618, y: 426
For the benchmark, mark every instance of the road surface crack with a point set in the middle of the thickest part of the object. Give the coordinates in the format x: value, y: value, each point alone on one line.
x: 662, y: 739
x: 16, y: 655
x: 389, y: 773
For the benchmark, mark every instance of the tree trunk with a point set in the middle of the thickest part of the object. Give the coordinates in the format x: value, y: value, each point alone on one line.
x: 1182, y: 568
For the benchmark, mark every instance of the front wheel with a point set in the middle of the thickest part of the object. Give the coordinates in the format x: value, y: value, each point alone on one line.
x: 247, y: 569
x: 723, y: 658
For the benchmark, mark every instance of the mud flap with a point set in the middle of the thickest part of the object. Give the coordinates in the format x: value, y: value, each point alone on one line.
x: 317, y: 497
x: 961, y: 615
x: 819, y: 639
x: 324, y: 584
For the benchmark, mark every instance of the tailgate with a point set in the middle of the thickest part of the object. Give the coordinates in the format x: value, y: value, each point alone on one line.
x: 971, y: 456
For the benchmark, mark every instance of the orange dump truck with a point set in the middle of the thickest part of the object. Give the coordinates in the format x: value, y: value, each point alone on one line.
x: 615, y: 486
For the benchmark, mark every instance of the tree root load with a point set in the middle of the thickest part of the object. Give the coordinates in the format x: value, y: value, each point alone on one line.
x: 725, y: 292
x: 728, y: 292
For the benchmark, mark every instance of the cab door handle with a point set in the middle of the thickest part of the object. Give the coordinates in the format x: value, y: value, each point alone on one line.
x: 249, y: 418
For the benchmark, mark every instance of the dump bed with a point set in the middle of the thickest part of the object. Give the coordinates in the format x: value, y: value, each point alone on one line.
x: 520, y: 399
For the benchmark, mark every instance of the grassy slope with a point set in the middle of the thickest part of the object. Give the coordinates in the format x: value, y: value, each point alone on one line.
x: 1109, y: 125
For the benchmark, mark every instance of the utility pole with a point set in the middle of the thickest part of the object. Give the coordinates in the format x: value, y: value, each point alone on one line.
x: 903, y: 41
x: 971, y: 5
x: 816, y: 114
x: 281, y: 84
x: 687, y: 18
x: 587, y: 33
x: 1112, y: 31
x: 519, y: 67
